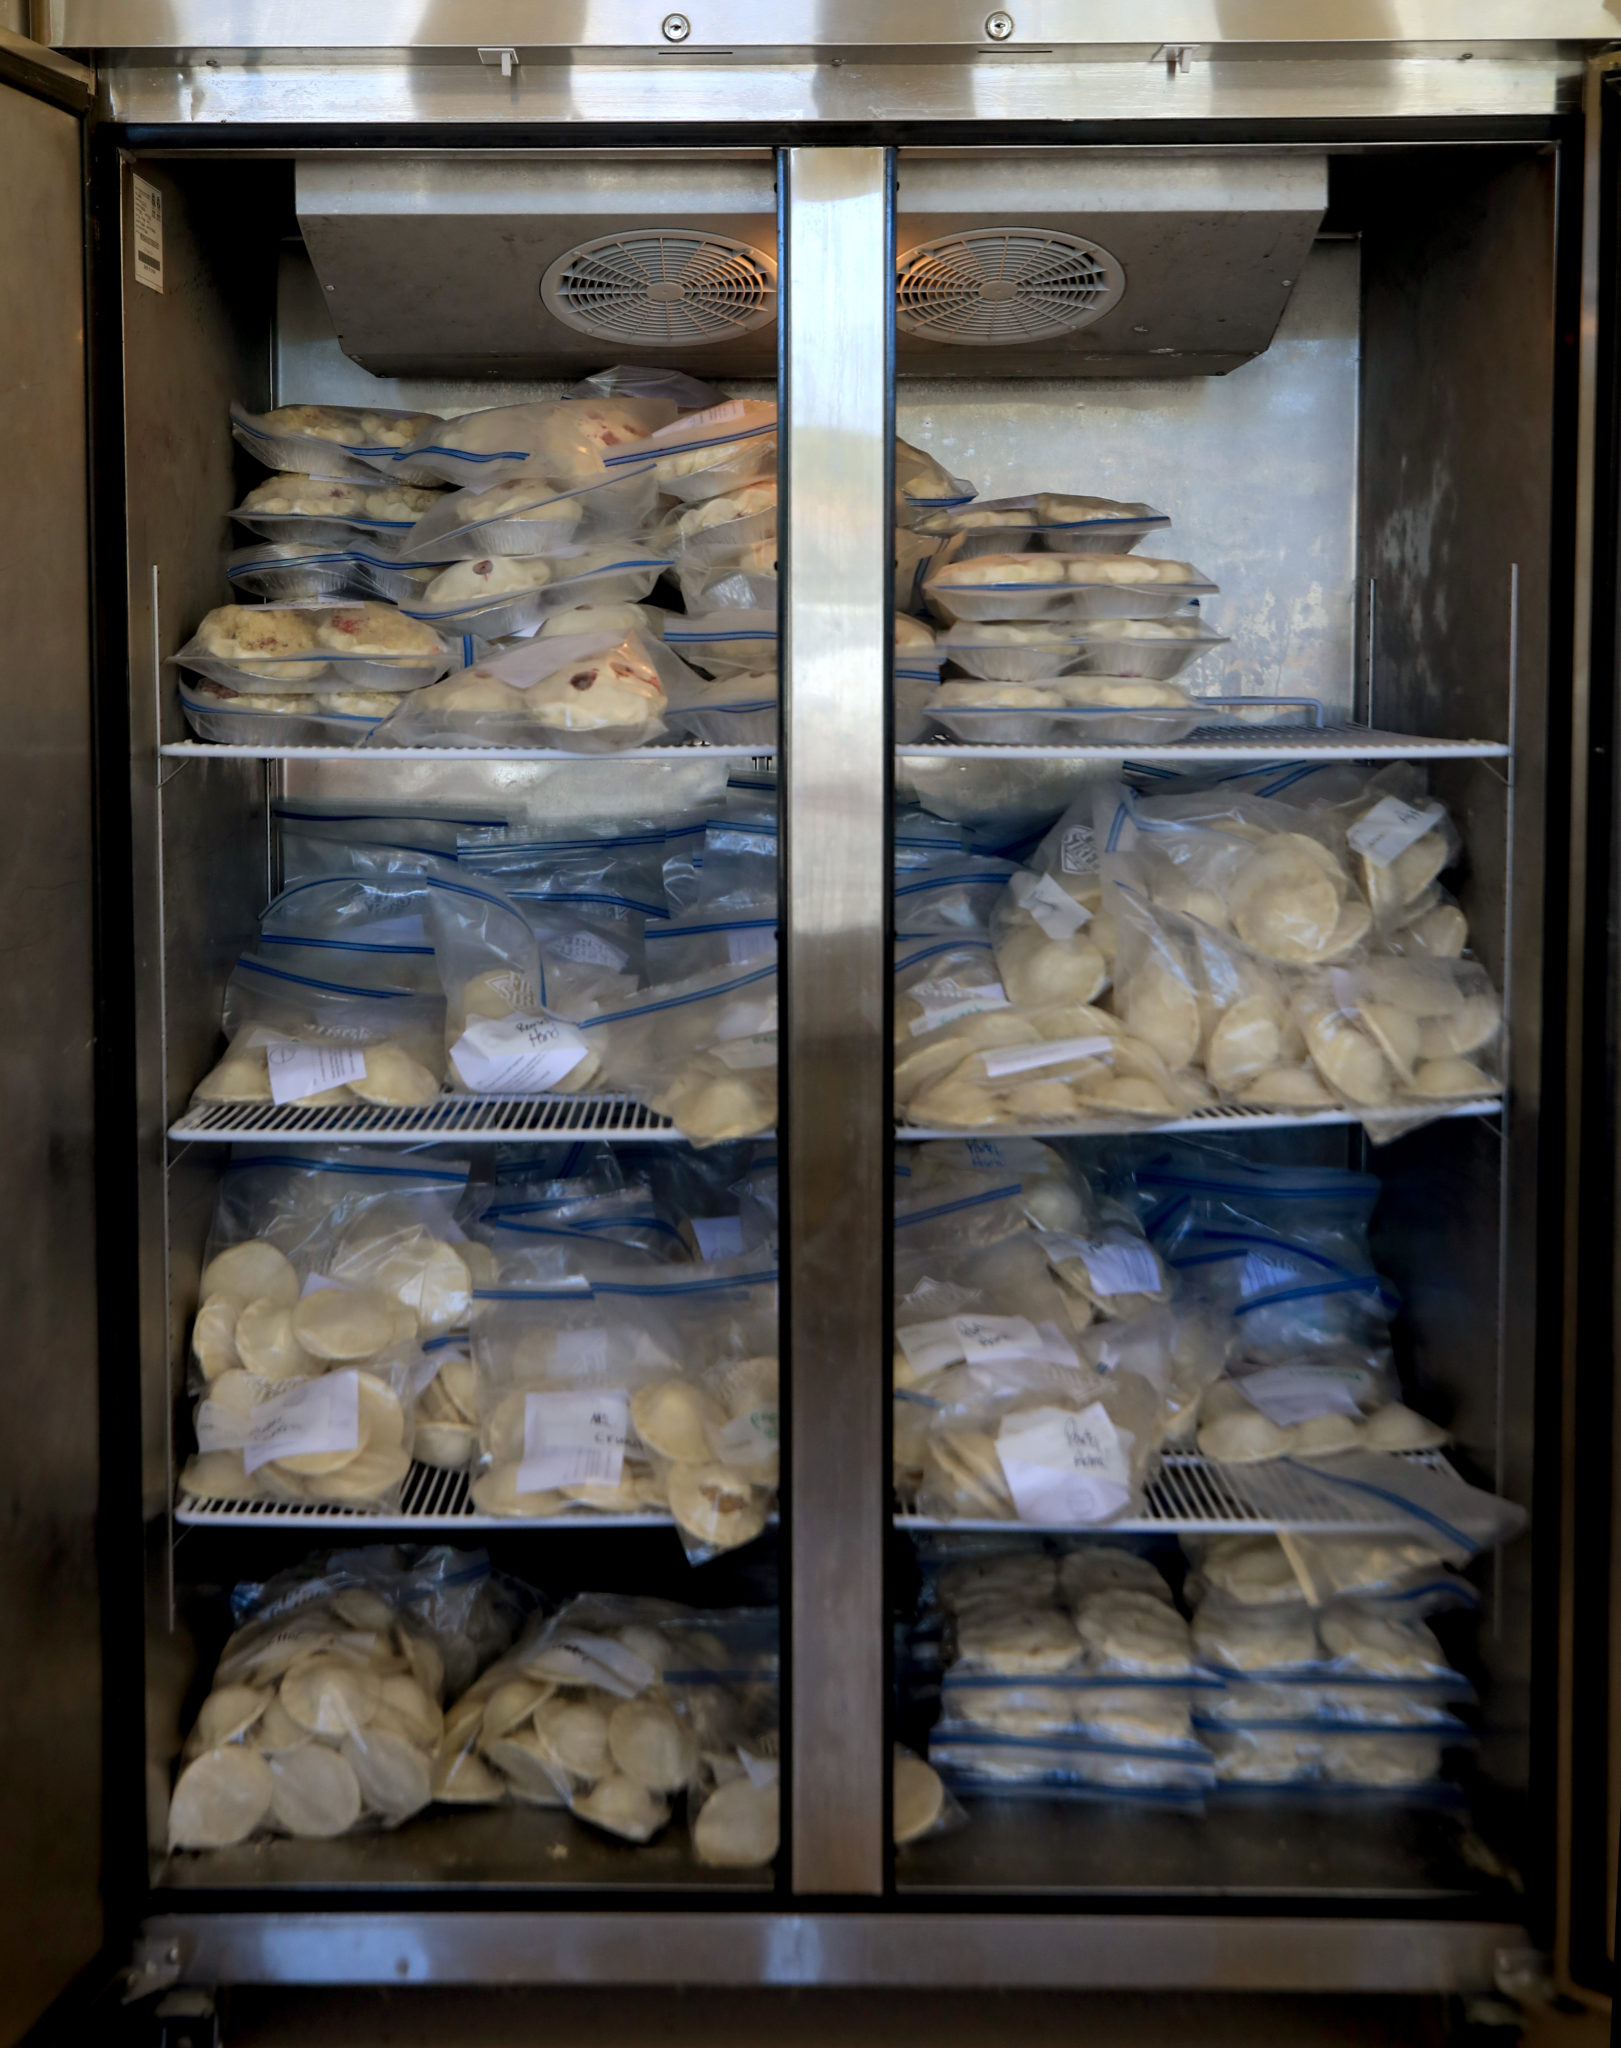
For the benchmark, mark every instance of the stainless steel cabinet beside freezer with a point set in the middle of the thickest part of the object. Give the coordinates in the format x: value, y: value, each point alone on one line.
x: 1428, y: 429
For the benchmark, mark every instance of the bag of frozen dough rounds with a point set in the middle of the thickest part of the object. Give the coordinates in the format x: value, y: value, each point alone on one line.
x: 296, y: 1040
x: 325, y: 1714
x: 702, y: 1052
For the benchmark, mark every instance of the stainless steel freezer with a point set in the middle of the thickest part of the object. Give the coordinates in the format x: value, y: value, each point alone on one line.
x: 1369, y: 317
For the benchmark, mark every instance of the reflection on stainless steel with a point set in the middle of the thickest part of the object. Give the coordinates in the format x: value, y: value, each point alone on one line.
x: 50, y: 1848
x: 1276, y: 531
x: 219, y: 84
x: 1088, y: 1951
x: 724, y: 25
x: 837, y: 463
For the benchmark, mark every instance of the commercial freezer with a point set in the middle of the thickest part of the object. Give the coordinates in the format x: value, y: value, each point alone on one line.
x: 1340, y: 286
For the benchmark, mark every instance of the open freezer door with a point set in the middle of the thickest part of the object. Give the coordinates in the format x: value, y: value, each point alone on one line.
x: 50, y: 1625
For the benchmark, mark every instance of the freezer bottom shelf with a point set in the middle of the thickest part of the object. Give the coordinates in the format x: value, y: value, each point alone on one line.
x: 1301, y: 1851
x: 499, y: 1848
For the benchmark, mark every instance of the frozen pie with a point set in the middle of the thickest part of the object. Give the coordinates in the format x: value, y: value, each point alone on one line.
x: 493, y: 576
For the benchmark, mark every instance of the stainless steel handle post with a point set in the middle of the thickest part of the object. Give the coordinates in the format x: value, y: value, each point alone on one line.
x: 837, y: 444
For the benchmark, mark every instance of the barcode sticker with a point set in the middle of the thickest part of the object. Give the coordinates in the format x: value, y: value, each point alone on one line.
x: 943, y: 1001
x: 1064, y: 1468
x: 1022, y: 1059
x: 516, y: 1055
x: 299, y: 1069
x: 148, y: 234
x: 316, y: 1416
x: 573, y: 1440
x: 1390, y: 827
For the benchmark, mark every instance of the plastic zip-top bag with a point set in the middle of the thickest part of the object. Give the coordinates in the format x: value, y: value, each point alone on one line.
x: 562, y: 440
x: 275, y: 650
x: 301, y: 571
x: 224, y: 717
x: 529, y: 516
x: 702, y: 1052
x: 295, y: 1039
x: 1079, y: 710
x: 302, y: 437
x: 985, y: 587
x: 351, y: 928
x: 343, y: 836
x: 923, y: 485
x: 1020, y: 653
x: 337, y: 510
x: 582, y: 693
x: 1065, y: 524
x: 706, y: 454
x: 497, y: 595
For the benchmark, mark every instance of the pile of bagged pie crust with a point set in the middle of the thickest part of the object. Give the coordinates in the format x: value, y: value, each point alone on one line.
x: 1073, y: 1669
x: 482, y: 580
x: 560, y: 1329
x: 420, y: 945
x: 1064, y: 1342
x: 1278, y: 940
x: 1054, y: 629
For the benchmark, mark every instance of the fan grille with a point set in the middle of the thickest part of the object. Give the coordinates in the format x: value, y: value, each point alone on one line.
x: 662, y: 288
x: 1001, y: 285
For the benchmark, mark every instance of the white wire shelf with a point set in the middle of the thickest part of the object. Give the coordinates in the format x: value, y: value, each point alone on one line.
x: 1220, y: 1117
x: 1194, y: 1497
x: 489, y: 1117
x: 203, y: 750
x: 1279, y: 743
x: 431, y: 1500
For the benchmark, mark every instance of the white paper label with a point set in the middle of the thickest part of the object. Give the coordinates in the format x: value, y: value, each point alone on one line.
x: 588, y: 949
x: 1287, y: 1394
x: 1111, y: 1268
x: 1078, y: 850
x: 719, y: 1237
x: 1021, y: 1059
x: 749, y: 945
x: 1055, y: 911
x: 317, y: 1415
x: 747, y: 1055
x: 930, y: 1347
x: 516, y: 1055
x: 986, y: 1340
x: 761, y: 1770
x: 695, y: 422
x: 599, y: 1660
x: 1065, y: 1468
x: 944, y: 1001
x: 1390, y: 827
x: 573, y: 1440
x: 299, y: 1069
x: 148, y: 234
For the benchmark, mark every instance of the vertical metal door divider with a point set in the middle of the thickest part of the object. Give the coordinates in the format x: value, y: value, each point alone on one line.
x: 837, y: 451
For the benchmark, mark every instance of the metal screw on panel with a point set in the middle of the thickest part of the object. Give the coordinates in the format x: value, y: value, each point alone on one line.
x: 999, y: 26
x: 676, y: 28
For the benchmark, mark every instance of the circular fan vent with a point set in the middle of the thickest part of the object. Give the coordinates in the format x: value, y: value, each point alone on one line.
x: 662, y: 288
x: 999, y: 285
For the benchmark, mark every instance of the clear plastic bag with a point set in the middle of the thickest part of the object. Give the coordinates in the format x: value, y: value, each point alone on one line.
x: 302, y: 437
x: 986, y: 587
x: 528, y: 516
x: 737, y: 531
x: 645, y: 1389
x: 730, y: 711
x: 501, y: 595
x: 331, y: 1431
x: 700, y: 944
x: 1075, y: 1764
x: 726, y: 643
x: 293, y: 571
x: 326, y: 1707
x: 232, y: 718
x: 333, y: 510
x: 337, y: 836
x: 562, y: 440
x: 296, y: 1039
x: 585, y: 693
x: 277, y: 650
x: 1399, y: 1039
x: 1081, y: 711
x: 924, y: 485
x: 500, y: 1039
x: 731, y: 586
x: 702, y: 1052
x: 1063, y: 524
x: 708, y: 453
x: 365, y: 931
x: 955, y: 893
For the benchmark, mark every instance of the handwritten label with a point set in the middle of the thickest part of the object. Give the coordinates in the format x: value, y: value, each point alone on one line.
x: 1110, y: 1268
x: 1063, y: 1468
x: 314, y: 1416
x: 299, y: 1070
x: 573, y: 1440
x: 1390, y: 827
x: 516, y: 1055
